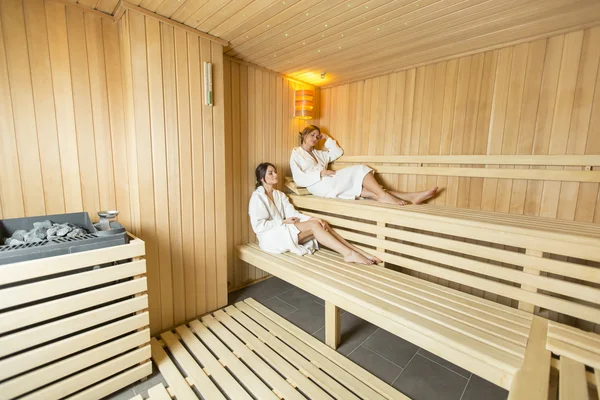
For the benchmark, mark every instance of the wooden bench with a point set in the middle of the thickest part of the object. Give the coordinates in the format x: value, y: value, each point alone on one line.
x: 505, y: 266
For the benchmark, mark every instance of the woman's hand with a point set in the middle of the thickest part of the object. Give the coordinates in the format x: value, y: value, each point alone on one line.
x: 290, y: 220
x: 327, y: 172
x: 324, y: 224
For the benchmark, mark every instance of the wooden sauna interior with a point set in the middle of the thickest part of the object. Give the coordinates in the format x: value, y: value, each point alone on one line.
x: 102, y: 107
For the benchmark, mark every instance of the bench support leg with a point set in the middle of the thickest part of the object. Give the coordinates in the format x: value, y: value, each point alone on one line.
x: 382, y: 237
x: 332, y: 325
x: 523, y: 305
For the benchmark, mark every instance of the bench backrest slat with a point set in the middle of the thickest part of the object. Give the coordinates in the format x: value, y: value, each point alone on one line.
x: 569, y: 168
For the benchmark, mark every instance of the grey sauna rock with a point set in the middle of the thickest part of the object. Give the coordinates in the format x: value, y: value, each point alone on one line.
x: 63, y: 230
x: 52, y: 232
x: 44, y: 224
x: 38, y: 233
x: 76, y: 232
x: 19, y: 235
x: 12, y: 242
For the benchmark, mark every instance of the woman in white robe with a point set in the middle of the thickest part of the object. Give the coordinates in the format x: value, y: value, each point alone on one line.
x: 309, y: 170
x: 280, y: 228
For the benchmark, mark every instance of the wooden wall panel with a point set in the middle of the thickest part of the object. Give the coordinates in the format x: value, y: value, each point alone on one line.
x: 97, y: 115
x: 533, y: 98
x: 260, y: 126
x: 176, y: 152
x: 60, y: 99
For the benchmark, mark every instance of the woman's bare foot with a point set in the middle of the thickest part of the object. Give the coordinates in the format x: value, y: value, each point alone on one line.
x: 372, y: 258
x: 389, y: 199
x: 420, y: 197
x: 357, y: 258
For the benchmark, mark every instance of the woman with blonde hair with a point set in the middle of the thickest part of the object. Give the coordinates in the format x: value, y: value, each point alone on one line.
x: 309, y: 170
x: 280, y: 228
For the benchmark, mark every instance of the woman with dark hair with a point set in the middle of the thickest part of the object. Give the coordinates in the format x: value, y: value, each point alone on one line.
x: 309, y: 169
x: 280, y: 228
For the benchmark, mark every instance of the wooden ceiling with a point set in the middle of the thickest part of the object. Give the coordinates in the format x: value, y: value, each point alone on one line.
x: 356, y: 39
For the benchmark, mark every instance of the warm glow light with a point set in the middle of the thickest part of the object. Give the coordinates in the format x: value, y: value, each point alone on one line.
x: 304, y: 104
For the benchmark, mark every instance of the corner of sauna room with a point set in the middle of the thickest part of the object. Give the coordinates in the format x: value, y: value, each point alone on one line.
x: 451, y: 252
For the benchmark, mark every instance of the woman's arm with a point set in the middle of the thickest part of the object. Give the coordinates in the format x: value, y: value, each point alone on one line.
x: 259, y: 216
x: 290, y: 211
x: 304, y: 178
x: 333, y: 150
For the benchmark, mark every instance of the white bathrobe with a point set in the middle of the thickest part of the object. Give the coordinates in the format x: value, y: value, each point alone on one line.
x: 273, y: 235
x: 346, y: 184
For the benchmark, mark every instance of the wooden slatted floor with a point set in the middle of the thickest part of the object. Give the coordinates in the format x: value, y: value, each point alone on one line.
x: 247, y: 351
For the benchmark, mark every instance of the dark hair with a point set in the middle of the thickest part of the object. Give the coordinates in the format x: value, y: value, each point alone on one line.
x: 306, y: 131
x: 261, y: 172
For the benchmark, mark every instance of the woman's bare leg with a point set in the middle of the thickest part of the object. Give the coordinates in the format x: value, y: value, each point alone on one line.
x: 367, y: 194
x: 305, y: 236
x: 353, y: 247
x: 415, y: 197
x: 370, y: 184
x: 327, y: 239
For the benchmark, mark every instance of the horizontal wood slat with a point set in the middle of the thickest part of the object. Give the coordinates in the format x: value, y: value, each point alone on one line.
x: 497, y: 173
x: 488, y: 159
x: 113, y: 384
x: 47, y: 288
x: 22, y: 271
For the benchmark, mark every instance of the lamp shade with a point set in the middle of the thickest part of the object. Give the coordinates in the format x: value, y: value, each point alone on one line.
x: 304, y: 104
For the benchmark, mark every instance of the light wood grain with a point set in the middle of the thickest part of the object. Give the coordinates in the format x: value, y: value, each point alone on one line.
x: 257, y: 111
x: 532, y: 381
x: 173, y: 137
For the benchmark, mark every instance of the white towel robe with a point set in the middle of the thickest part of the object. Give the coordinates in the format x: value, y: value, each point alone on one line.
x: 347, y: 182
x: 273, y: 235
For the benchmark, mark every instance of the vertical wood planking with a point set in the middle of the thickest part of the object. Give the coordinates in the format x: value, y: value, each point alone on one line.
x: 220, y: 175
x: 512, y: 117
x: 182, y: 74
x: 580, y: 121
x: 562, y: 116
x: 141, y: 115
x: 23, y: 111
x: 45, y: 117
x: 196, y: 101
x: 545, y: 113
x: 177, y: 153
x: 252, y: 148
x: 11, y: 195
x: 117, y: 128
x: 209, y: 191
x: 531, y: 95
x: 159, y: 168
x: 238, y: 215
x: 173, y: 173
x: 245, y: 173
x: 84, y: 123
x: 100, y: 112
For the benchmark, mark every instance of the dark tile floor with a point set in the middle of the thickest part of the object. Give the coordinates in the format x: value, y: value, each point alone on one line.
x: 410, y: 369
